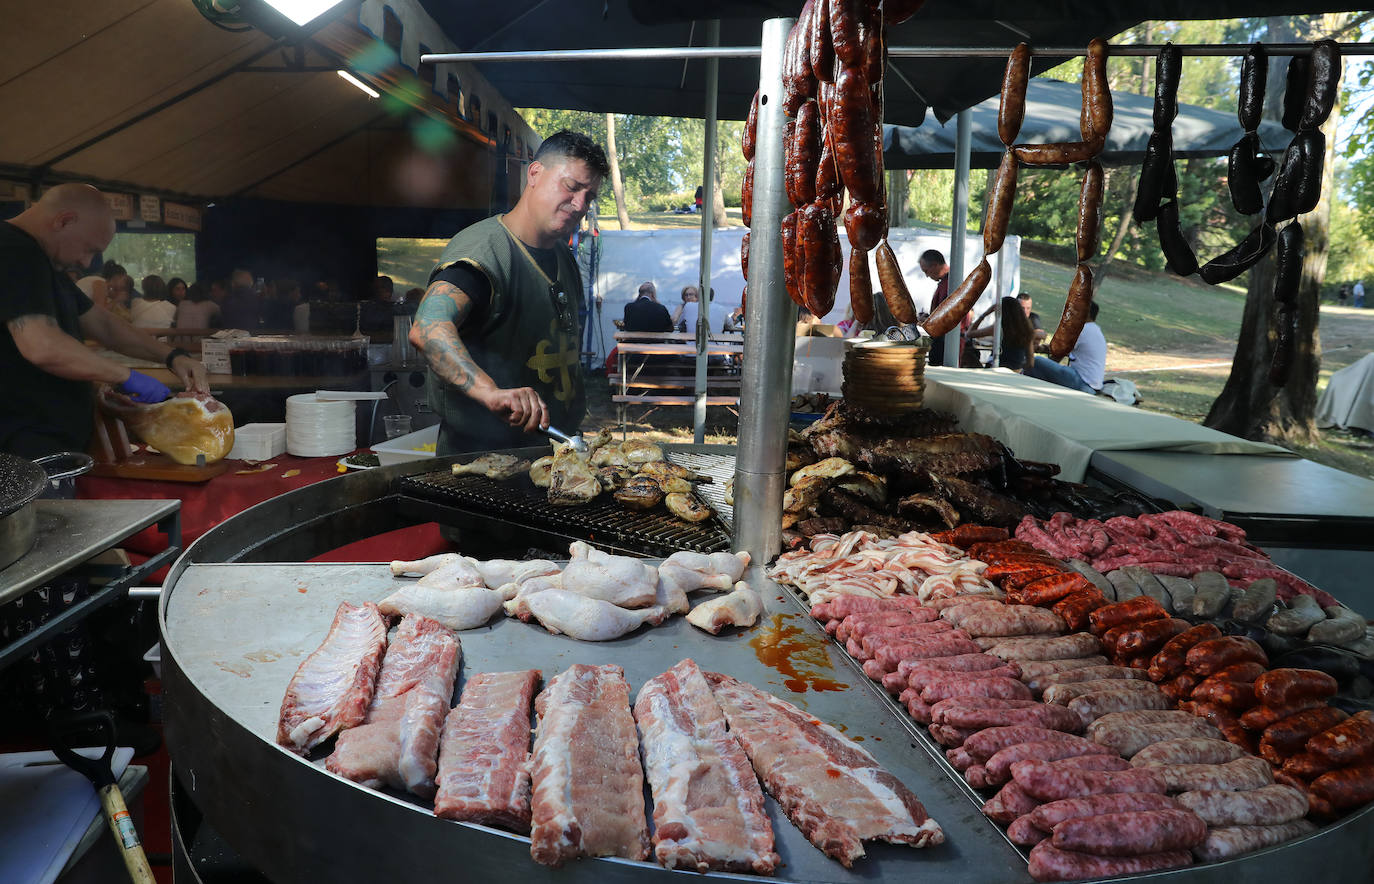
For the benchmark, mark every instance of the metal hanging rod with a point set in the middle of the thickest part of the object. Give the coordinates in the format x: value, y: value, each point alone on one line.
x: 661, y: 53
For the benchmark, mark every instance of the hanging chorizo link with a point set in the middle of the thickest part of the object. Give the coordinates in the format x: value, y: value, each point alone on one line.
x: 1097, y: 92
x: 1075, y: 314
x: 822, y: 52
x: 851, y: 135
x: 746, y: 197
x: 1001, y: 197
x: 893, y: 284
x: 843, y: 16
x: 945, y: 317
x: 804, y: 156
x: 864, y: 224
x: 860, y: 287
x: 1011, y: 111
x: 751, y: 129
x: 1089, y: 213
x: 791, y: 269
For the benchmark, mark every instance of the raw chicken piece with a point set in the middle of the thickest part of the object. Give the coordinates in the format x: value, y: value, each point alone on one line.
x: 421, y: 567
x: 708, y: 809
x: 687, y: 507
x: 459, y: 571
x: 517, y: 594
x: 620, y: 580
x: 671, y: 598
x: 484, y: 755
x: 398, y: 744
x: 571, y: 481
x: 183, y: 427
x: 588, y: 620
x: 738, y: 608
x: 539, y: 471
x: 691, y: 571
x: 498, y: 572
x: 493, y: 466
x: 333, y: 686
x: 465, y: 607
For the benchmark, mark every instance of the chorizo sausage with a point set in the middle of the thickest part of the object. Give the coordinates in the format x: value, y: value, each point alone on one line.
x: 1060, y: 153
x: 1075, y: 608
x: 1324, y: 80
x: 821, y: 50
x: 744, y: 255
x: 746, y: 200
x: 749, y: 140
x: 1169, y: 662
x: 860, y: 287
x: 1075, y: 314
x: 791, y: 265
x: 863, y: 224
x: 1347, y: 787
x: 796, y: 64
x: 804, y: 156
x: 1233, y: 695
x: 1168, y: 68
x: 1288, y: 270
x: 1280, y: 687
x: 1177, y: 252
x: 1254, y: 72
x: 952, y: 309
x: 1295, y: 91
x: 844, y: 19
x: 828, y: 188
x: 821, y: 259
x: 851, y: 133
x: 1136, y: 610
x: 1097, y: 92
x: 893, y: 284
x: 1001, y: 197
x: 875, y: 53
x: 1240, y: 258
x: 1147, y: 638
x: 1211, y: 656
x: 1289, y: 735
x: 1011, y: 111
x: 1350, y: 741
x: 1089, y: 213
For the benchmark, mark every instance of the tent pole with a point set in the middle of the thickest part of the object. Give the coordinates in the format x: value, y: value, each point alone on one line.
x: 963, y: 147
x: 770, y: 317
x: 997, y: 310
x: 708, y: 225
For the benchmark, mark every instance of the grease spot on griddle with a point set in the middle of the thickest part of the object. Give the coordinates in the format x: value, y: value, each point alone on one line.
x: 239, y: 669
x: 263, y: 656
x: 796, y: 655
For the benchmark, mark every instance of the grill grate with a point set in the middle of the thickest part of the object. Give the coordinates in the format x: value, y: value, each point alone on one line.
x: 517, y: 501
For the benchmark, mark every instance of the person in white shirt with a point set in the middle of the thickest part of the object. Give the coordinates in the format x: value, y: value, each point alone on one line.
x: 685, y: 319
x: 153, y: 310
x: 1087, y: 362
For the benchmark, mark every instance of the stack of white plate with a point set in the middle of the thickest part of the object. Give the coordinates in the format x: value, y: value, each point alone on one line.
x: 319, y: 428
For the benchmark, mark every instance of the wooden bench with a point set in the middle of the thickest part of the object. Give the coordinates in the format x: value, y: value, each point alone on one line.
x: 638, y: 370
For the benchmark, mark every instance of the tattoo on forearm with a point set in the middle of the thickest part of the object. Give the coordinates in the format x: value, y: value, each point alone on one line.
x: 437, y: 319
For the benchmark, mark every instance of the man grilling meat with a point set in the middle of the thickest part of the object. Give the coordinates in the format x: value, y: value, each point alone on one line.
x: 498, y: 324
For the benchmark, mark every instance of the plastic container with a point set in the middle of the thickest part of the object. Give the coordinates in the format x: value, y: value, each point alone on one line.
x: 258, y: 442
x: 407, y: 447
x: 154, y: 656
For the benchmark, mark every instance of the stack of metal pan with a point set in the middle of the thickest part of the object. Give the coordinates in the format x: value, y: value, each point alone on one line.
x: 885, y: 376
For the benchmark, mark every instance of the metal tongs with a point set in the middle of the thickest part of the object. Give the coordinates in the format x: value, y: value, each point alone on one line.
x: 577, y: 442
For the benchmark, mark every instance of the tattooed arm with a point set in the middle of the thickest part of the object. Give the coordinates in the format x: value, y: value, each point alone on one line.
x: 122, y: 337
x: 435, y: 334
x: 42, y: 342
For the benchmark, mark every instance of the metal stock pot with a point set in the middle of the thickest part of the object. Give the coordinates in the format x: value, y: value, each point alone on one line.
x: 21, y: 483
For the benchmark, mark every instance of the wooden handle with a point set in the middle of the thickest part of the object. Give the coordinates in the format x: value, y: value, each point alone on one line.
x: 125, y: 835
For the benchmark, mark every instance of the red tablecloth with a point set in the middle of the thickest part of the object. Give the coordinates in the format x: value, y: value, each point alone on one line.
x: 206, y: 504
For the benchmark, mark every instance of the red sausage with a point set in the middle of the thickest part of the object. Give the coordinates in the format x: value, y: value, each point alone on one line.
x: 1348, y: 742
x: 1279, y: 687
x: 951, y: 310
x: 1288, y: 735
x: 1132, y: 833
x: 1075, y: 314
x: 1012, y: 109
x: 1169, y: 662
x: 1140, y: 609
x: 860, y: 286
x: 1346, y: 788
x: 1261, y: 717
x: 1048, y: 863
x: 1211, y: 656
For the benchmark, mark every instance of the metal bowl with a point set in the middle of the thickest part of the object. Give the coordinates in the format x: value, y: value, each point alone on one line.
x: 21, y: 482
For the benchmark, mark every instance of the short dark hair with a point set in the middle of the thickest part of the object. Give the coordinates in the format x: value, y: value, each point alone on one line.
x: 1024, y: 296
x: 154, y: 288
x: 197, y: 292
x: 1092, y: 311
x: 932, y: 256
x: 567, y: 144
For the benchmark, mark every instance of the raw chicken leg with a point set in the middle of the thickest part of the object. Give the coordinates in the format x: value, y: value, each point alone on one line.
x: 517, y: 594
x: 498, y: 572
x: 691, y: 571
x: 461, y: 571
x: 588, y: 620
x: 421, y: 567
x: 739, y: 608
x: 620, y: 580
x: 465, y: 607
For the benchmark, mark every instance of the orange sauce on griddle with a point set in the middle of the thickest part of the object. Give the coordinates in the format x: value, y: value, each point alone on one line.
x: 795, y: 655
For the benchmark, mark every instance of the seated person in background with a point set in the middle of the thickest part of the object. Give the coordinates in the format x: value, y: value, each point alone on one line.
x: 1087, y: 362
x: 734, y: 320
x: 119, y: 290
x: 241, y: 308
x: 278, y: 307
x: 1017, y: 337
x: 1037, y: 329
x: 176, y: 289
x: 197, y: 310
x: 645, y: 313
x: 685, y: 318
x: 153, y: 310
x: 376, y: 316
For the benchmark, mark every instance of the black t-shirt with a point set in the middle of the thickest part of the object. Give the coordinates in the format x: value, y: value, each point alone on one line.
x: 473, y: 283
x: 40, y: 413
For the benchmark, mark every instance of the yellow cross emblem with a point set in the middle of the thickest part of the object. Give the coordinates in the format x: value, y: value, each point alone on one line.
x: 546, y: 360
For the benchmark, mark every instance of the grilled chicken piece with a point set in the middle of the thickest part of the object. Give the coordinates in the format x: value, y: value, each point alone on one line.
x: 588, y: 620
x: 741, y: 607
x: 608, y: 456
x: 493, y: 466
x: 686, y: 507
x: 730, y: 491
x: 571, y: 481
x: 801, y: 498
x: 539, y: 471
x: 601, y: 439
x: 613, y: 477
x: 662, y: 469
x: 830, y: 468
x: 674, y: 486
x: 870, y: 487
x: 798, y: 458
x: 639, y: 493
x: 637, y: 451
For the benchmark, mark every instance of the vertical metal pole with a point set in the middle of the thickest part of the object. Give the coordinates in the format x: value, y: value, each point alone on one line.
x: 708, y: 225
x: 770, y: 318
x: 963, y: 146
x: 997, y: 313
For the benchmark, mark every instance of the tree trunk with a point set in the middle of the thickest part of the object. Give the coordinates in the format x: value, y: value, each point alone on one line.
x: 897, y: 202
x: 718, y: 218
x: 1249, y: 406
x: 617, y: 187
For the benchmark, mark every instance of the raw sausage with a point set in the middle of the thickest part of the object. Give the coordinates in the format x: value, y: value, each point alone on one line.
x: 895, y: 292
x: 952, y: 309
x: 1049, y: 863
x: 1089, y: 213
x: 1061, y: 694
x: 1233, y: 695
x: 1189, y: 750
x: 1024, y: 833
x: 1324, y: 80
x: 963, y: 712
x: 988, y: 742
x: 1097, y: 93
x: 1001, y: 197
x: 1094, y: 670
x: 1279, y: 687
x: 1265, y: 806
x: 1347, y: 787
x: 1261, y: 717
x: 1129, y: 737
x: 1288, y: 735
x: 1009, y: 620
x: 749, y: 140
x: 1350, y: 741
x: 1228, y: 841
x: 1156, y: 169
x: 999, y: 765
x: 1061, y: 153
x: 1147, y: 638
x: 1012, y: 109
x: 1243, y: 174
x: 1047, y: 816
x: 1140, y: 609
x: 1052, y: 781
x: 1178, y: 253
x: 860, y: 286
x: 1168, y: 69
x: 1000, y: 686
x: 1078, y: 644
x: 1008, y: 804
x: 949, y: 736
x: 1131, y: 833
x: 1213, y: 655
x: 1169, y: 662
x: 1241, y: 257
x: 1244, y: 773
x: 1296, y: 90
x: 958, y: 663
x: 1091, y: 707
x: 1075, y: 314
x: 1075, y: 608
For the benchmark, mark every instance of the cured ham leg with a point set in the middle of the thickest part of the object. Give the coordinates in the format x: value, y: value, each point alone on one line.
x: 588, y: 787
x: 397, y: 745
x: 484, y: 753
x: 708, y: 809
x: 333, y: 686
x: 830, y: 788
x: 183, y: 427
x: 739, y: 608
x: 466, y: 607
x: 588, y: 620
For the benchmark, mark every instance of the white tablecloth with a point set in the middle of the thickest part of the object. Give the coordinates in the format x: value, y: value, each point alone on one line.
x: 1348, y: 400
x: 1044, y: 422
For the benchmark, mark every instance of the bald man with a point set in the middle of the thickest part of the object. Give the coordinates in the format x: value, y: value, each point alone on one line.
x: 47, y: 402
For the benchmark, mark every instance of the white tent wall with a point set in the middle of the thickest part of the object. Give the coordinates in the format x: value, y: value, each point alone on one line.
x: 668, y: 258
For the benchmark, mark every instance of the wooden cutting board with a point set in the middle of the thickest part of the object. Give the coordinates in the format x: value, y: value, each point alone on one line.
x: 115, y: 458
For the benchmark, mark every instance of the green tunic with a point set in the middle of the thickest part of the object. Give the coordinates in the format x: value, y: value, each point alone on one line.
x: 526, y: 340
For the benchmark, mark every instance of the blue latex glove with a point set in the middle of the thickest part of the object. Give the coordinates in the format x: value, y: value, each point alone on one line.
x: 143, y: 389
